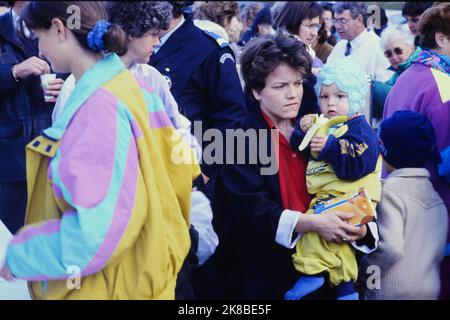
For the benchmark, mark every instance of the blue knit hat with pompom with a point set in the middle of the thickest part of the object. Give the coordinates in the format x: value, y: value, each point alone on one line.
x: 349, y: 78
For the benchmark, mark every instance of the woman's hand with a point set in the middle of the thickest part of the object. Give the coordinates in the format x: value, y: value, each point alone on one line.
x: 333, y: 226
x: 362, y: 231
x: 6, y: 274
x: 53, y: 89
x: 318, y: 143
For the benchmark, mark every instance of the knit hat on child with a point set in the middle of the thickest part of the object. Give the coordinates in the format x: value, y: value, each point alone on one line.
x: 444, y: 167
x: 407, y: 140
x: 349, y: 78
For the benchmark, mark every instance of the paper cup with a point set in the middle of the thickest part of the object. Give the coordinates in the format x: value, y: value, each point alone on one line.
x: 46, y: 79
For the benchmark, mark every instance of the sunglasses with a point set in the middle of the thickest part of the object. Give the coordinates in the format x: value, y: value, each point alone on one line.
x: 398, y: 51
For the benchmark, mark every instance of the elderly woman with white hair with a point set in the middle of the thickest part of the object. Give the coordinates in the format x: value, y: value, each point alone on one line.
x: 398, y: 47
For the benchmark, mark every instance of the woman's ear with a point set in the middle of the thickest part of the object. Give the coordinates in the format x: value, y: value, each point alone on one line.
x: 440, y: 39
x: 60, y: 29
x: 256, y: 95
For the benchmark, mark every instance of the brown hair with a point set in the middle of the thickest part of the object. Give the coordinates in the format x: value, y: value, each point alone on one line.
x: 263, y: 55
x: 249, y: 12
x: 294, y: 13
x: 39, y: 15
x: 434, y: 19
x: 216, y: 11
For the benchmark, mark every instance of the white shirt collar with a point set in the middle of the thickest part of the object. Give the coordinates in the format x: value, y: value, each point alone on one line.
x: 16, y: 19
x: 356, y: 42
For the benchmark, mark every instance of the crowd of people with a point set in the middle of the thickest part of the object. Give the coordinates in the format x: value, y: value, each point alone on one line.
x: 122, y: 166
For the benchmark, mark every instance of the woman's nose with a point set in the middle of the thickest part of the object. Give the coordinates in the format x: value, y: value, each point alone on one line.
x: 292, y: 92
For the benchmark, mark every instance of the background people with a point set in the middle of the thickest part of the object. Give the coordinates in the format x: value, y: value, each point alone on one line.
x: 23, y: 110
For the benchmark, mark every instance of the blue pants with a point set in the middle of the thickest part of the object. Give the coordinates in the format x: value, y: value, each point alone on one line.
x: 13, y: 202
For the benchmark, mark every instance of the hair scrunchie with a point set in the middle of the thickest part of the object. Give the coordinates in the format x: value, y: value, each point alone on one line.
x: 95, y: 36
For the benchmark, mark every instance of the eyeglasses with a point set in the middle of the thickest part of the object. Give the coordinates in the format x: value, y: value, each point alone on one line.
x: 313, y: 26
x: 340, y: 21
x: 398, y: 51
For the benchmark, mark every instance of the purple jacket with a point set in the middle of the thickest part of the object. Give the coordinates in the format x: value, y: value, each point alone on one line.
x: 425, y: 90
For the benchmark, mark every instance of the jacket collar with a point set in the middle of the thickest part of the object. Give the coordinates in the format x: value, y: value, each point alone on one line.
x: 410, y: 173
x: 175, y: 42
x: 93, y: 79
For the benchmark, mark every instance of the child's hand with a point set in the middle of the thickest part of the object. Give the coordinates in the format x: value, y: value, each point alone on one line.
x: 306, y: 122
x: 318, y: 143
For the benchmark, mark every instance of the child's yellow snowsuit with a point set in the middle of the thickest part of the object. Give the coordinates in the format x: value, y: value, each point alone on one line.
x: 353, y: 146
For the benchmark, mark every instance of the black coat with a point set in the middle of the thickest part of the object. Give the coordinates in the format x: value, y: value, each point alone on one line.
x: 23, y: 112
x: 248, y: 206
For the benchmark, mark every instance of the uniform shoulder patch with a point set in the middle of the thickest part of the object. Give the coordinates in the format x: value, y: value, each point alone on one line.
x: 226, y: 56
x: 220, y: 41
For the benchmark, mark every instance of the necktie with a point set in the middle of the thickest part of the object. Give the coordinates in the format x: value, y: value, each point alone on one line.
x: 349, y: 48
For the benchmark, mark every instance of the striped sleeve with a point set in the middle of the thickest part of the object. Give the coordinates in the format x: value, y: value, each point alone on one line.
x: 95, y: 171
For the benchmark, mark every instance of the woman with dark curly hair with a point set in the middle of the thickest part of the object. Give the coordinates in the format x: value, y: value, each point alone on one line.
x: 259, y: 214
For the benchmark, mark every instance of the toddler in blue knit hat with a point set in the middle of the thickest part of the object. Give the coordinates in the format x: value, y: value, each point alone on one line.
x: 412, y: 217
x: 344, y: 157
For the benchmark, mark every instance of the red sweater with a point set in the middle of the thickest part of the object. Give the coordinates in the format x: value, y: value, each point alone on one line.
x: 291, y: 173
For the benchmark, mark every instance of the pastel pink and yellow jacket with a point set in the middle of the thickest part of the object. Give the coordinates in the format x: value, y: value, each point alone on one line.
x: 106, y: 200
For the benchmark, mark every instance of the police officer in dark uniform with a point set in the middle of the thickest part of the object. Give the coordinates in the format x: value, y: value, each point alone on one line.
x: 201, y: 70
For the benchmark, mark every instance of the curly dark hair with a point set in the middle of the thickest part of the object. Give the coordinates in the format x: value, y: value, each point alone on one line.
x: 138, y: 17
x: 263, y: 55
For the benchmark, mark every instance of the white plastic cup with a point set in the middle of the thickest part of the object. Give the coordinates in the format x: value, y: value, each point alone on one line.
x: 46, y: 79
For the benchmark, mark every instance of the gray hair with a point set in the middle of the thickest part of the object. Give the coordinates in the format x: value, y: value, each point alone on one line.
x: 355, y: 8
x: 397, y: 34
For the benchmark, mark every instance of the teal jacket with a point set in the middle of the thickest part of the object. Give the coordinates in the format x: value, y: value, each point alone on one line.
x: 380, y: 90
